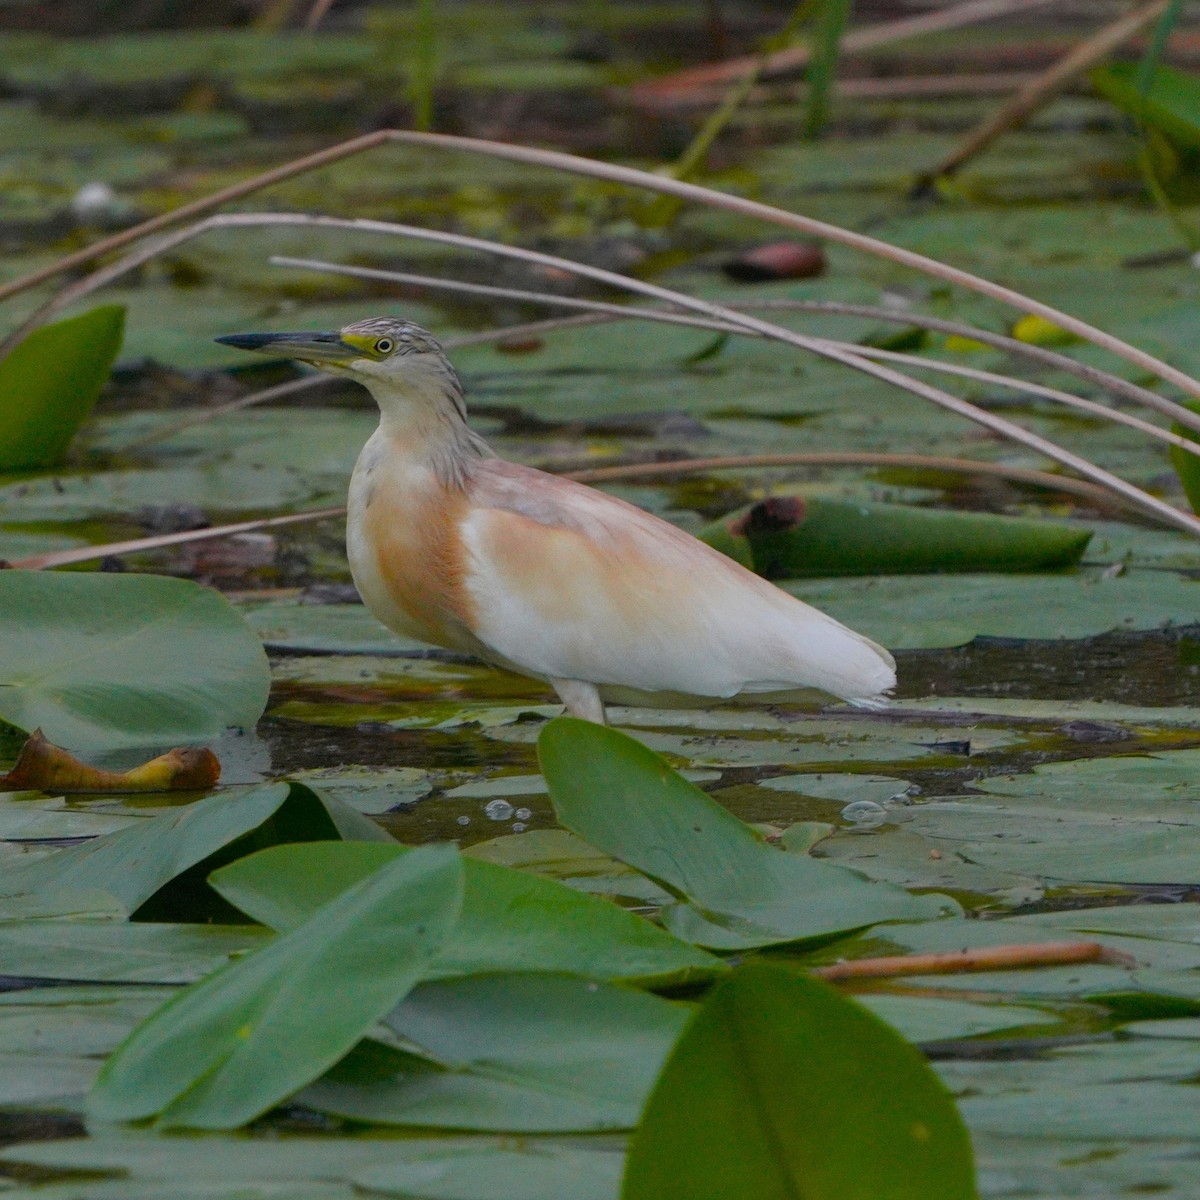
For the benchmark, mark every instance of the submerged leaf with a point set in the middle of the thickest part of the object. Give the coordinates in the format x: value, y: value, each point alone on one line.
x: 49, y: 384
x: 42, y: 766
x: 782, y: 1088
x: 1187, y: 464
x: 1037, y: 331
x: 231, y: 1046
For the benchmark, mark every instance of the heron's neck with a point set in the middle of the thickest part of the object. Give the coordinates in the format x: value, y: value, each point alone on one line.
x: 424, y: 415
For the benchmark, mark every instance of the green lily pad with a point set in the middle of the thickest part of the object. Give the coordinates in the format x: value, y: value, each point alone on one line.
x: 100, y: 661
x: 109, y: 951
x: 530, y: 1173
x: 915, y: 612
x: 518, y: 1053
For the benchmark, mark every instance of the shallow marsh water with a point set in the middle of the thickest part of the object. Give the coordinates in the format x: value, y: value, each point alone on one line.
x: 1042, y: 760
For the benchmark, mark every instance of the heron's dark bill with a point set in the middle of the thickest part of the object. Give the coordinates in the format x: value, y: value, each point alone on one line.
x: 311, y: 347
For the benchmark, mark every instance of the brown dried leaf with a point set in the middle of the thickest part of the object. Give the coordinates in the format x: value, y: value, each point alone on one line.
x: 42, y: 766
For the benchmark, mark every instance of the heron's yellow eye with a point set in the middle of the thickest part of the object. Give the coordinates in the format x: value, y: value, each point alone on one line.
x: 384, y: 346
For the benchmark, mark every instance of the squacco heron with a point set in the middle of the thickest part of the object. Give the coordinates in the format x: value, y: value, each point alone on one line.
x: 539, y: 575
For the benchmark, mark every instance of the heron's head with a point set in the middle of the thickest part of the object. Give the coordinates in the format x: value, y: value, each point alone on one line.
x: 381, y: 349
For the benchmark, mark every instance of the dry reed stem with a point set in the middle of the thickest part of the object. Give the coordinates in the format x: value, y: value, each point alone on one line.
x: 988, y: 958
x: 626, y: 471
x: 628, y: 312
x: 1046, y: 86
x: 795, y: 58
x: 282, y: 390
x: 637, y: 178
x: 996, y: 424
x: 1038, y: 354
x: 990, y: 83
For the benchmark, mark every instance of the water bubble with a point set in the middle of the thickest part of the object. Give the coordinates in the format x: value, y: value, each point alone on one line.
x: 523, y: 814
x: 518, y: 827
x: 498, y: 810
x: 864, y: 814
x: 463, y: 820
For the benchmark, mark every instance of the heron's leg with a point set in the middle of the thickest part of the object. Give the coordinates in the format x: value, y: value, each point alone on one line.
x: 581, y: 699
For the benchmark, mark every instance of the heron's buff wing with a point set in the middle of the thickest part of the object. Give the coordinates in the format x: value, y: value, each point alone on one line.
x: 566, y: 582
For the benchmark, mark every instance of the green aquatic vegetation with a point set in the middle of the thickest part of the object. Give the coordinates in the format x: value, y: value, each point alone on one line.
x: 793, y: 537
x: 769, y: 1092
x: 226, y: 1050
x: 733, y: 890
x: 102, y: 661
x: 49, y: 384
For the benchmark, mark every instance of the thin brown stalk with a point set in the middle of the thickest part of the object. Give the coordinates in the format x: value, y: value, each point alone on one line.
x: 627, y: 312
x: 986, y: 958
x: 796, y: 58
x: 1026, y: 476
x: 195, y: 208
x: 317, y: 13
x: 491, y: 290
x: 1102, y: 411
x: 82, y: 554
x: 1038, y: 354
x: 1046, y: 86
x: 998, y: 425
x: 626, y: 472
x: 858, y: 241
x: 204, y: 415
x: 628, y: 175
x: 866, y: 88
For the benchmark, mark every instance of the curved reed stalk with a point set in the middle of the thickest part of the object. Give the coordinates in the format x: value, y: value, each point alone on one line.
x: 627, y: 312
x: 996, y: 424
x: 1038, y: 354
x: 282, y: 390
x: 613, y: 173
x: 1063, y: 484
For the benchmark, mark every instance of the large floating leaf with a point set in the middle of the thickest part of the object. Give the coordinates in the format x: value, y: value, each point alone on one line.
x: 110, y: 951
x: 530, y: 1173
x: 793, y: 537
x: 159, y: 865
x: 49, y: 384
x: 1117, y: 819
x: 915, y: 612
x: 238, y: 1042
x: 226, y: 1165
x: 734, y: 889
x: 511, y: 920
x: 782, y: 1088
x: 517, y: 1053
x: 99, y: 661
